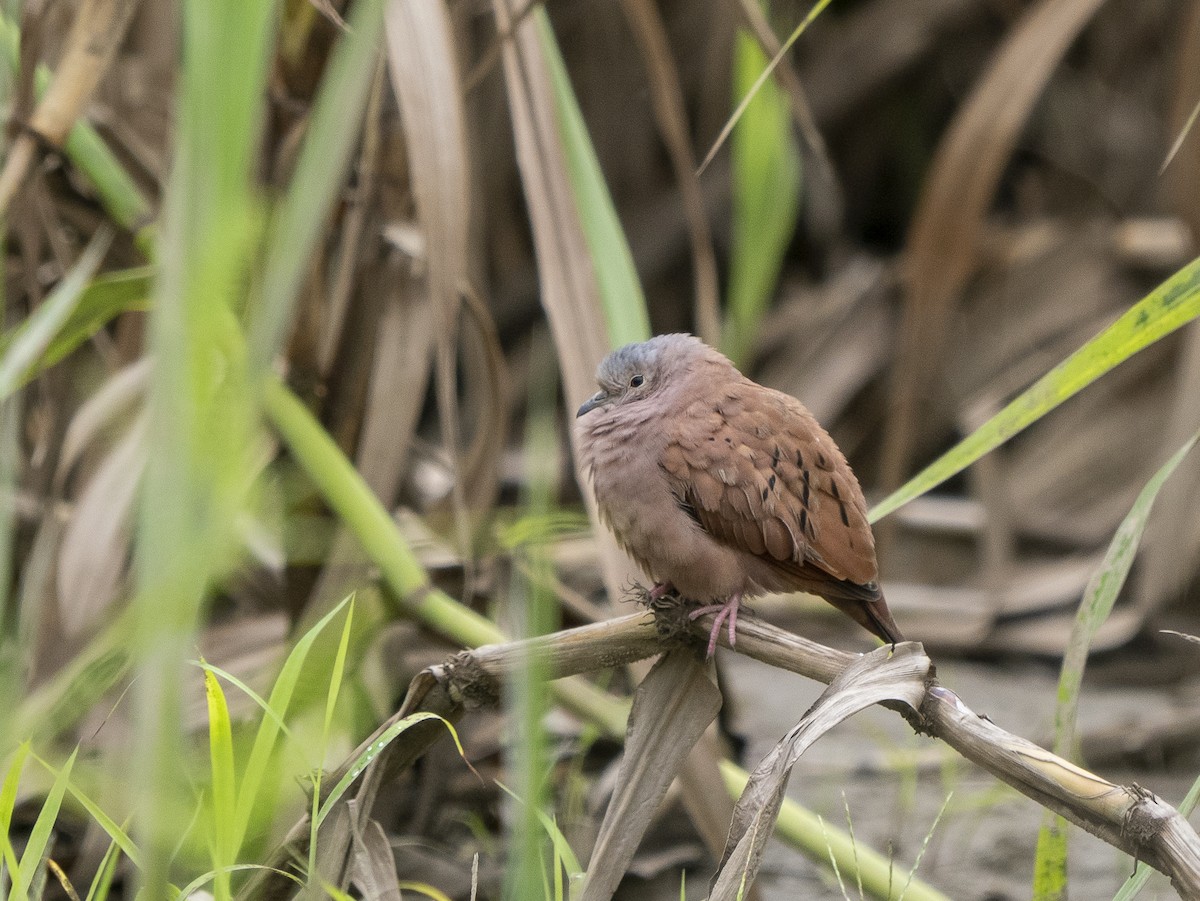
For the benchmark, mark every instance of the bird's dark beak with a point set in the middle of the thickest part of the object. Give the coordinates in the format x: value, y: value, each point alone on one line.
x: 592, y: 403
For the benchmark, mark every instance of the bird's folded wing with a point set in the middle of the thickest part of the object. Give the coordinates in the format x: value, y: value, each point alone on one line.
x: 757, y: 472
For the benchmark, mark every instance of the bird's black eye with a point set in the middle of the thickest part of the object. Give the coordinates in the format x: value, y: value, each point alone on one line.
x: 636, y: 382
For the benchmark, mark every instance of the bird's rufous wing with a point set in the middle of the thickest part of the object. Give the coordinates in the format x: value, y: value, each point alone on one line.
x: 758, y: 473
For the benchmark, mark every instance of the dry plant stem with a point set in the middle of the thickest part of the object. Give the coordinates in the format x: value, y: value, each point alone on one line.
x: 97, y: 31
x: 670, y: 111
x: 1127, y: 817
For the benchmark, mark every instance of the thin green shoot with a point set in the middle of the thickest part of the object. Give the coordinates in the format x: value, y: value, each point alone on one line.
x: 853, y: 843
x: 118, y: 834
x: 833, y: 859
x: 335, y: 684
x: 8, y: 801
x: 924, y: 846
x: 102, y: 882
x: 1099, y: 597
x: 270, y: 728
x: 224, y: 784
x: 817, y: 9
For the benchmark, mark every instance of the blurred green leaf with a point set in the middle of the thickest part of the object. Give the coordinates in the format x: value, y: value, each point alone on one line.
x: 766, y: 199
x: 1171, y: 305
x: 107, y: 297
x: 29, y: 342
x: 620, y: 289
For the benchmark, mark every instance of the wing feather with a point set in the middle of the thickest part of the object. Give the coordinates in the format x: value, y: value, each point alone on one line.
x: 764, y: 477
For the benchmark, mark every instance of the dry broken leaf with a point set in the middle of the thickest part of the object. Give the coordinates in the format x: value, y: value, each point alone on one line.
x: 885, y: 674
x: 671, y: 709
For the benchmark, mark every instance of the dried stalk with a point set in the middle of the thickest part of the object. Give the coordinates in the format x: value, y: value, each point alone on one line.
x: 1127, y: 817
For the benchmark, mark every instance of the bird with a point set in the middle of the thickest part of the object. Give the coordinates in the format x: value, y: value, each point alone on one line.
x: 722, y: 489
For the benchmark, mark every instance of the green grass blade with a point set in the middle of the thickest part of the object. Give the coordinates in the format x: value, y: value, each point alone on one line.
x: 562, y: 847
x: 36, y: 333
x: 272, y: 725
x: 8, y: 801
x: 620, y: 289
x: 224, y: 779
x: 201, y: 415
x: 373, y: 751
x: 302, y: 217
x: 102, y: 881
x: 1050, y: 865
x: 43, y: 829
x: 766, y: 199
x: 115, y: 832
x: 339, y: 670
x: 1171, y: 305
x: 108, y: 296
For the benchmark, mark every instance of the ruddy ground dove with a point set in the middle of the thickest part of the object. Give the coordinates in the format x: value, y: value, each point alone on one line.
x: 721, y: 488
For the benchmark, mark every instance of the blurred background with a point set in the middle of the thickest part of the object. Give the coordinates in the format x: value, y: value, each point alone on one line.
x: 929, y: 204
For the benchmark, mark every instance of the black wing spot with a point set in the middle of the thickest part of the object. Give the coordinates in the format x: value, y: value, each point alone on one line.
x: 686, y: 506
x: 765, y: 492
x: 775, y: 457
x: 799, y: 460
x: 804, y: 490
x: 845, y: 517
x: 771, y: 481
x: 821, y: 461
x: 803, y: 522
x: 833, y: 489
x: 729, y: 440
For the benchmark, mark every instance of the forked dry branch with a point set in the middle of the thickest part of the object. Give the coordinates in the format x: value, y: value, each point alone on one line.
x: 1128, y: 817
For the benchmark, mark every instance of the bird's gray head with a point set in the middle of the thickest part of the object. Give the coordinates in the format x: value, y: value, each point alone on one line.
x: 637, y: 371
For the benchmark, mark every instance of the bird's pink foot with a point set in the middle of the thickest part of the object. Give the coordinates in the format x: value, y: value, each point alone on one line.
x: 725, y: 612
x: 661, y: 590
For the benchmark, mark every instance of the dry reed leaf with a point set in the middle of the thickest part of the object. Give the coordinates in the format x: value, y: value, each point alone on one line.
x: 670, y: 112
x: 372, y: 864
x: 487, y: 391
x: 569, y: 291
x: 424, y: 68
x: 95, y: 545
x: 112, y: 399
x: 947, y: 225
x: 671, y: 709
x: 885, y: 674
